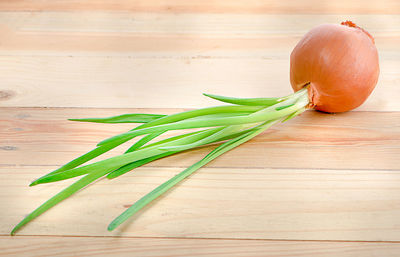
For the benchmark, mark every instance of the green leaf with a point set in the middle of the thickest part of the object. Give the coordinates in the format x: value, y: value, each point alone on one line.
x: 263, y: 114
x: 291, y: 116
x: 176, y: 179
x: 82, y: 159
x: 201, y: 112
x: 75, y: 187
x: 246, y: 101
x: 224, y: 131
x: 128, y: 167
x: 283, y: 107
x: 144, y: 141
x: 116, y: 162
x: 268, y: 113
x: 100, y: 169
x: 151, y: 136
x: 124, y: 118
x: 217, y: 136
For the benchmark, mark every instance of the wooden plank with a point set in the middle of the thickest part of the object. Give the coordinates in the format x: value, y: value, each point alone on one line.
x: 354, y: 140
x: 217, y: 25
x: 209, y: 6
x: 48, y: 59
x: 172, y: 35
x: 153, y: 247
x: 124, y: 82
x: 175, y: 36
x: 241, y: 203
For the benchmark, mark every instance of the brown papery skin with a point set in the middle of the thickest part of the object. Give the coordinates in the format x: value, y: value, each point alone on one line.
x: 340, y: 65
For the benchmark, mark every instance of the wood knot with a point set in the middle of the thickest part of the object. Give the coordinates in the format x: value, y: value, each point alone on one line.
x: 6, y: 95
x: 8, y: 148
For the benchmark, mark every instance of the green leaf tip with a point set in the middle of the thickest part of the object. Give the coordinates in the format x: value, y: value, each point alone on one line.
x: 12, y: 233
x: 34, y: 183
x: 112, y: 226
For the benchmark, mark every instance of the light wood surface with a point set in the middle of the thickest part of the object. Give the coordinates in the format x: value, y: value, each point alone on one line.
x: 244, y: 203
x: 210, y: 6
x: 318, y: 185
x: 125, y: 57
x: 354, y: 140
x: 182, y: 247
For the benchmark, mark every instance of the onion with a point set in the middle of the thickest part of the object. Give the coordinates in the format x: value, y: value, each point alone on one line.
x: 334, y: 68
x: 340, y: 64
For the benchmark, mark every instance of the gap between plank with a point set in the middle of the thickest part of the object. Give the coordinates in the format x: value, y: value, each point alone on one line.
x: 140, y: 108
x: 210, y: 238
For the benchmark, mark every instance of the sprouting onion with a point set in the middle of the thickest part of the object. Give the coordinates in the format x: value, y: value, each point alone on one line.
x: 339, y: 84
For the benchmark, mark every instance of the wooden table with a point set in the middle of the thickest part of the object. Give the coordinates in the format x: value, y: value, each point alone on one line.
x: 318, y: 185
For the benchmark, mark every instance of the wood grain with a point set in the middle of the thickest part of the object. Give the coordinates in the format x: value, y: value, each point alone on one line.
x: 57, y: 59
x: 217, y: 25
x: 209, y: 6
x: 187, y: 34
x: 354, y: 140
x: 152, y: 247
x: 317, y: 177
x: 123, y: 82
x: 246, y: 203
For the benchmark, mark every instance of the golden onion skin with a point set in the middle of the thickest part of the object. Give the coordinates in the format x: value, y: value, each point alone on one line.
x: 340, y: 63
